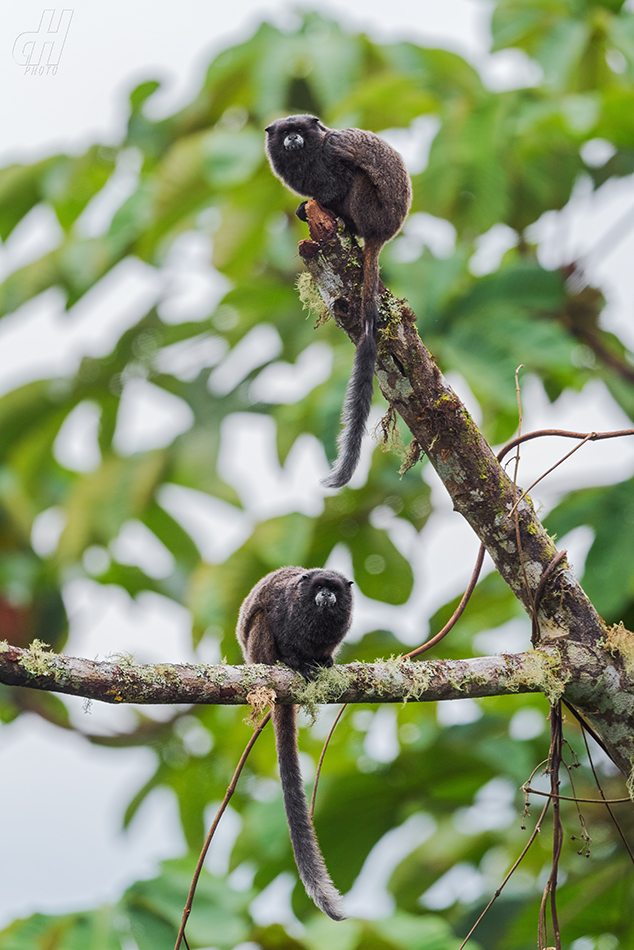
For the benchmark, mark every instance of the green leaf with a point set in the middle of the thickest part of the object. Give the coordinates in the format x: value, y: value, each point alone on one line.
x: 156, y: 907
x: 103, y: 500
x: 70, y: 183
x: 466, y: 180
x: 426, y: 932
x: 608, y: 577
x: 380, y: 569
x: 20, y: 191
x: 142, y: 92
x: 89, y: 931
x: 230, y: 158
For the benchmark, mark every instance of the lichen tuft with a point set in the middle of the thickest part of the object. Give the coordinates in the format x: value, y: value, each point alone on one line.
x: 36, y: 660
x: 541, y: 670
x: 310, y: 297
x: 619, y: 640
x: 328, y: 687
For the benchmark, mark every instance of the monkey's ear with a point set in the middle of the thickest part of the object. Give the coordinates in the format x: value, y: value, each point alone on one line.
x: 350, y: 583
x: 268, y: 128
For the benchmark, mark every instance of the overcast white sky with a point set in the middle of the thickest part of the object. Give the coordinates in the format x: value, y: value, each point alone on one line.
x: 110, y: 48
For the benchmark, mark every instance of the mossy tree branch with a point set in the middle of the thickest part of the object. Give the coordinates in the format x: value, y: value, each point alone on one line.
x: 599, y: 680
x: 479, y: 487
x: 120, y: 680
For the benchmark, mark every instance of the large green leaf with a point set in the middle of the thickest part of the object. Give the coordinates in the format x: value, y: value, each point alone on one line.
x: 609, y: 571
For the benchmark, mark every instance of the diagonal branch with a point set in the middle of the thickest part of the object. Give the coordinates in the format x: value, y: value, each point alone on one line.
x: 477, y: 484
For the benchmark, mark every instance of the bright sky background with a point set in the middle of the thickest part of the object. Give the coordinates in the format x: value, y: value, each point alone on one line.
x: 112, y: 47
x: 62, y: 848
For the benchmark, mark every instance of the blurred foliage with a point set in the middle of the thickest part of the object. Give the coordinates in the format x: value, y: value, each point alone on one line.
x: 497, y: 159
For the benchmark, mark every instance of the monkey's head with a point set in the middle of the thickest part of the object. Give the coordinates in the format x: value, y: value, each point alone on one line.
x: 327, y: 590
x: 294, y: 147
x: 293, y: 133
x: 325, y: 604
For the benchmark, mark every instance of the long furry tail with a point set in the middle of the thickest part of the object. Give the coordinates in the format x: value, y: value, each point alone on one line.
x: 358, y: 398
x: 308, y: 857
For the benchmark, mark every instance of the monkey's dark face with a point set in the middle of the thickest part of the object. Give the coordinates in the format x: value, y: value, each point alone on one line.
x: 294, y: 133
x: 329, y: 591
x: 295, y: 149
x: 300, y: 155
x: 326, y: 604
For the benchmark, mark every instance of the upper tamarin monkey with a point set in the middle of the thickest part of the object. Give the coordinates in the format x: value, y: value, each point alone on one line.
x: 363, y: 180
x: 298, y: 617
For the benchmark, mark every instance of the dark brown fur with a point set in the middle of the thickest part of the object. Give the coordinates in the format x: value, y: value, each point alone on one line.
x: 299, y: 618
x: 363, y: 180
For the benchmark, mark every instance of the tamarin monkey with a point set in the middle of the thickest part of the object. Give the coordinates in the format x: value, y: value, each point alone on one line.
x: 363, y: 180
x: 298, y: 617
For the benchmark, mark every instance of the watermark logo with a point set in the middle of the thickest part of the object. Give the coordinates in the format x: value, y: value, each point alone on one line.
x: 40, y: 51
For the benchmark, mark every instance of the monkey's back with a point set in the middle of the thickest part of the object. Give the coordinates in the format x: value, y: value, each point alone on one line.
x: 380, y: 194
x: 253, y: 628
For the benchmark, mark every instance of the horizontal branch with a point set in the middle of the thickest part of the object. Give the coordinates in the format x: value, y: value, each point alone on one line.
x: 119, y: 680
x: 598, y: 682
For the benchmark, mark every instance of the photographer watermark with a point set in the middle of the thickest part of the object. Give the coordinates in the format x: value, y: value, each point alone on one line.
x: 40, y: 51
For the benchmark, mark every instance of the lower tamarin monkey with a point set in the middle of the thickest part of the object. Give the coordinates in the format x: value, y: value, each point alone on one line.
x: 363, y: 180
x: 298, y: 617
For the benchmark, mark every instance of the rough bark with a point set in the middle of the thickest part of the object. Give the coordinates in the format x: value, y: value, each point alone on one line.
x: 599, y: 681
x: 479, y: 487
x: 395, y: 681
